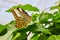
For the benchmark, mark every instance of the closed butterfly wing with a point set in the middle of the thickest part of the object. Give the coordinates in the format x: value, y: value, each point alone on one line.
x: 21, y: 21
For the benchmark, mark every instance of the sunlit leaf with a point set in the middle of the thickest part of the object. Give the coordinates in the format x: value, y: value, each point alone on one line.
x: 28, y: 7
x: 24, y: 7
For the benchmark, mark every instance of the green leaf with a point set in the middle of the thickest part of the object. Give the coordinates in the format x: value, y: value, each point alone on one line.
x: 57, y: 25
x: 34, y: 17
x: 44, y: 37
x: 54, y: 37
x: 9, y: 10
x: 43, y: 30
x: 35, y: 28
x: 28, y: 7
x: 56, y: 31
x: 15, y: 35
x: 35, y: 36
x: 2, y: 27
x: 19, y: 36
x: 3, y: 32
x: 55, y: 13
x: 57, y: 18
x: 58, y: 37
x: 55, y: 7
x: 24, y: 7
x: 12, y: 22
x: 32, y: 27
x: 44, y: 17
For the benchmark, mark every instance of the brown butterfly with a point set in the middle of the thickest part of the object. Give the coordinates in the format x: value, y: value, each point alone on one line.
x: 21, y: 20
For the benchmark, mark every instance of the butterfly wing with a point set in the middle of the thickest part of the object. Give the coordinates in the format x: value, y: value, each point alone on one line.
x: 24, y: 20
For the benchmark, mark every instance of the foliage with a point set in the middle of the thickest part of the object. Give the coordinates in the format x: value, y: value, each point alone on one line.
x: 24, y: 7
x: 36, y: 27
x: 3, y: 29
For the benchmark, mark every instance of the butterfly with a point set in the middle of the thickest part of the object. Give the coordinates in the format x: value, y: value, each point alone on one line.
x: 23, y: 19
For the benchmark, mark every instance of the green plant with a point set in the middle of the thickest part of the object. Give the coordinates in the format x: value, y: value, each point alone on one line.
x: 36, y: 27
